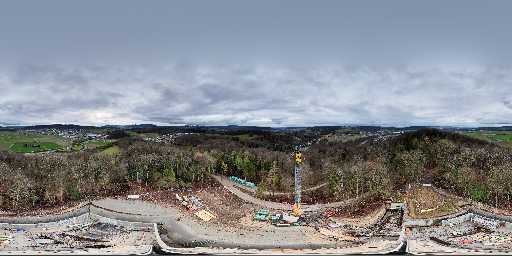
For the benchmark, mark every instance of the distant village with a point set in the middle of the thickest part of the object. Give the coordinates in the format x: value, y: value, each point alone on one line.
x: 70, y: 133
x: 166, y: 138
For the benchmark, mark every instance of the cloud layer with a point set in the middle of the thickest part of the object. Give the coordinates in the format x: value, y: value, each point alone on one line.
x: 276, y: 95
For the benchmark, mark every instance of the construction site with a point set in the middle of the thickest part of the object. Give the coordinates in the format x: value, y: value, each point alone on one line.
x: 87, y: 233
x: 225, y: 218
x: 256, y: 127
x: 217, y: 221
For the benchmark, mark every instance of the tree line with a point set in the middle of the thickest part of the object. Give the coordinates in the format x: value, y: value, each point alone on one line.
x: 468, y: 167
x: 50, y: 179
x: 35, y: 180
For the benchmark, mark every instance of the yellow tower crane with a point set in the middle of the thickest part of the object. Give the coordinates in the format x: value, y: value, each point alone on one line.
x: 298, y: 182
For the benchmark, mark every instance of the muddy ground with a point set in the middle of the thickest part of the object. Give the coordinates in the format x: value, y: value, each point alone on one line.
x: 425, y: 202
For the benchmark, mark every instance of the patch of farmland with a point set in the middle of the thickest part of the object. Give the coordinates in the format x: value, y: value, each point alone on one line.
x: 29, y: 142
x: 34, y: 147
x: 501, y: 137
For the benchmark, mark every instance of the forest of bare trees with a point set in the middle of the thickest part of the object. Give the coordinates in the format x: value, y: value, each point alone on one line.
x: 465, y: 166
x: 468, y: 167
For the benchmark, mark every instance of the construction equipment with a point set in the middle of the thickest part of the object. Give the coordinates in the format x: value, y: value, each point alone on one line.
x: 262, y: 215
x: 242, y: 182
x: 296, y: 211
x: 284, y: 220
x: 274, y: 219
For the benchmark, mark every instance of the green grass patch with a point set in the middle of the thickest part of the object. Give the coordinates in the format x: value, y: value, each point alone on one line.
x: 35, y: 147
x: 24, y: 142
x: 76, y: 147
x: 92, y: 144
x: 111, y: 151
x: 73, y: 192
x: 245, y: 137
x: 478, y: 193
x: 98, y: 144
x: 502, y: 137
x: 133, y: 134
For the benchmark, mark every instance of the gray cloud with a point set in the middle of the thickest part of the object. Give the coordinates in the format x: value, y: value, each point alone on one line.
x: 38, y: 74
x: 257, y: 95
x: 457, y: 32
x: 263, y: 62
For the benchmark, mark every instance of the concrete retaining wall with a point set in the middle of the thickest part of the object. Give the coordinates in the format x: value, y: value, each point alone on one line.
x: 46, y: 218
x: 190, y: 242
x: 457, y: 220
x: 142, y: 226
x: 491, y: 215
x: 175, y: 232
x: 79, y: 220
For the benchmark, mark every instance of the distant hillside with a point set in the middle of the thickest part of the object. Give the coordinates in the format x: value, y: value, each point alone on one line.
x: 410, y: 139
x: 468, y: 166
x: 55, y: 126
x: 378, y: 162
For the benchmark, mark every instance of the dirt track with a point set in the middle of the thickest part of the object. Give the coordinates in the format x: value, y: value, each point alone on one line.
x: 229, y: 185
x: 268, y: 193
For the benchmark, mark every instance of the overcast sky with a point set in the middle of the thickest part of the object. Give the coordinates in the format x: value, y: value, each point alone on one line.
x: 269, y: 63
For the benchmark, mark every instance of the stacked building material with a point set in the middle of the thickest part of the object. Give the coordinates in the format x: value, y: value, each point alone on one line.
x: 195, y: 205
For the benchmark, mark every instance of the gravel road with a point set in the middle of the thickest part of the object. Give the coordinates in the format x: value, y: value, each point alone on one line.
x: 229, y: 185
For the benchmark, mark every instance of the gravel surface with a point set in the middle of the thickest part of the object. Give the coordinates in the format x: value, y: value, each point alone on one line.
x: 185, y: 225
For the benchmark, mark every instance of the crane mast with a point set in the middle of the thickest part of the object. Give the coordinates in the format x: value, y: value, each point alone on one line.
x: 298, y: 182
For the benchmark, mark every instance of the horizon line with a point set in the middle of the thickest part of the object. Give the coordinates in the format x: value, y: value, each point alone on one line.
x: 260, y: 126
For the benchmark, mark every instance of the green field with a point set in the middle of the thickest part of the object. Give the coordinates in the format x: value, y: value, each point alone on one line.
x: 30, y: 142
x: 134, y: 134
x: 93, y: 144
x: 501, y: 137
x: 245, y: 137
x: 105, y: 147
x: 113, y: 150
x: 34, y: 147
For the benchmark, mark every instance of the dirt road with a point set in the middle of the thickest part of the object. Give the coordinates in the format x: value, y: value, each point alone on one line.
x: 268, y: 193
x: 229, y: 185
